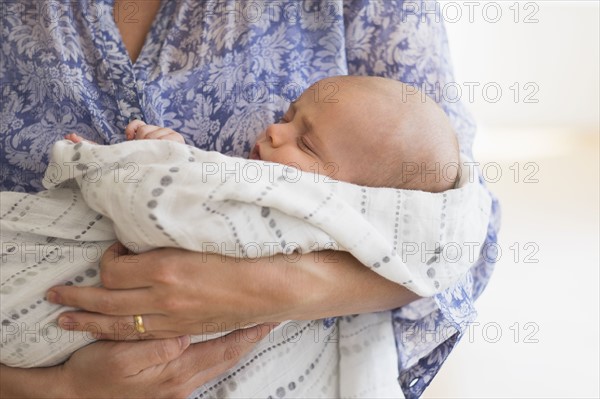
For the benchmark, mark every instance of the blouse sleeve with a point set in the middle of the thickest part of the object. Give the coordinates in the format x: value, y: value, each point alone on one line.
x: 406, y: 40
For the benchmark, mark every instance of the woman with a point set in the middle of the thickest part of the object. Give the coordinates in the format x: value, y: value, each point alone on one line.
x: 218, y: 72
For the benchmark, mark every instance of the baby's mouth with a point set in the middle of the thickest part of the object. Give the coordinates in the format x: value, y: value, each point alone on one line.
x: 255, y: 153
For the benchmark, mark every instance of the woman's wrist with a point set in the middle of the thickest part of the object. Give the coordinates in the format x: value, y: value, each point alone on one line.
x: 47, y: 382
x: 329, y: 283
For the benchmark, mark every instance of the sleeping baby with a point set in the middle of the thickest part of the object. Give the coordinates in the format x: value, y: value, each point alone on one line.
x: 398, y: 182
x: 367, y: 131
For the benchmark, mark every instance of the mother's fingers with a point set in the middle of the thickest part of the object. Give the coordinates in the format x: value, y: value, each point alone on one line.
x: 234, y: 345
x: 122, y: 328
x: 154, y: 352
x: 206, y: 360
x: 102, y: 300
x: 120, y: 269
x: 117, y: 253
x: 118, y: 328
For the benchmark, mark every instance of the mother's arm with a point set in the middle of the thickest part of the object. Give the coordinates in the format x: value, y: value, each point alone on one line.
x: 181, y: 292
x: 166, y: 368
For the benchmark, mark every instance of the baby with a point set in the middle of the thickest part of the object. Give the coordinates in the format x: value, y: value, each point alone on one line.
x: 364, y: 130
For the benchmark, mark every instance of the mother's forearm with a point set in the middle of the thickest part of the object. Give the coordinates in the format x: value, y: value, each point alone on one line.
x: 30, y: 383
x: 333, y: 283
x: 180, y: 292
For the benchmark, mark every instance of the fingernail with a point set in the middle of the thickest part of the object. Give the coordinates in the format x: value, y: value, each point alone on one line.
x: 66, y: 322
x: 184, y: 341
x: 53, y: 297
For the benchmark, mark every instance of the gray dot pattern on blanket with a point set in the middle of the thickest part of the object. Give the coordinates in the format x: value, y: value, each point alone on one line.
x: 153, y: 194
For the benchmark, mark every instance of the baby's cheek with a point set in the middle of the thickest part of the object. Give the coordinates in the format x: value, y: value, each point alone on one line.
x: 261, y: 137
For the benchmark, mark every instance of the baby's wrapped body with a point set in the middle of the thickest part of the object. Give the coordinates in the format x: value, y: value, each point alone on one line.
x: 150, y: 194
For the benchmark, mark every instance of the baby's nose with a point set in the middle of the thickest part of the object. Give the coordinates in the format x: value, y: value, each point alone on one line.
x: 279, y: 133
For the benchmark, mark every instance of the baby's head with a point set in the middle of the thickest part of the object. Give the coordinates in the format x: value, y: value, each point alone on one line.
x: 368, y: 131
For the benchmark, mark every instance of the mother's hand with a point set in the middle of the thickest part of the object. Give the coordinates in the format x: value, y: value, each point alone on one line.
x: 178, y: 292
x: 164, y: 368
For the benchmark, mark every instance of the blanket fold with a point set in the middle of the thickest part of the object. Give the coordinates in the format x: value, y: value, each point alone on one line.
x: 167, y: 194
x: 151, y: 194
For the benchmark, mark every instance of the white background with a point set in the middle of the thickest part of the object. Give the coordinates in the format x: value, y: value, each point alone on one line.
x: 539, y: 328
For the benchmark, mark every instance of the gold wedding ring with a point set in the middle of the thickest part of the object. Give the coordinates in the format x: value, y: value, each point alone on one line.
x: 139, y: 323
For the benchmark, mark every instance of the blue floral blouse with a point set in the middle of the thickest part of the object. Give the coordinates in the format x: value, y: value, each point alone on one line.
x: 219, y: 72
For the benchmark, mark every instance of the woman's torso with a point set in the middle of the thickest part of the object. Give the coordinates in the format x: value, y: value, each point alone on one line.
x: 217, y: 72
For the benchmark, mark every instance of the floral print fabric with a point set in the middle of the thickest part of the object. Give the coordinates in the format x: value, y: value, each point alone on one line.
x: 219, y: 72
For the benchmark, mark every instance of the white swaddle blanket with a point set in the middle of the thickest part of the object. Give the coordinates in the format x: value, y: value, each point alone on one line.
x: 150, y: 194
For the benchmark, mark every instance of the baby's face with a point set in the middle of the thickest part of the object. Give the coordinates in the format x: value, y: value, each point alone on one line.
x: 324, y: 132
x: 364, y: 130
